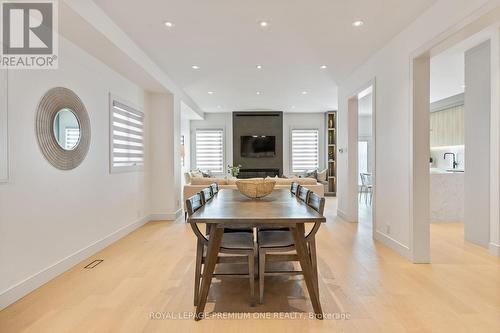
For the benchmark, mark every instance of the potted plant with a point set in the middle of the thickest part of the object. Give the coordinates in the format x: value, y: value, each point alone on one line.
x: 233, y: 170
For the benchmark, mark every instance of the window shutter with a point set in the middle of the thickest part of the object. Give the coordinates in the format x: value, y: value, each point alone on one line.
x: 127, y: 151
x: 72, y: 137
x: 210, y: 150
x: 305, y: 150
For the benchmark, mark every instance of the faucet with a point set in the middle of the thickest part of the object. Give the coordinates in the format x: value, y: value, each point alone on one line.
x: 455, y: 163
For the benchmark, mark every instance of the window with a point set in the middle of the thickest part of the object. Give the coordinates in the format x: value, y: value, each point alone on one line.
x: 210, y: 150
x: 4, y: 173
x: 362, y: 159
x: 127, y: 139
x: 72, y: 136
x: 305, y: 150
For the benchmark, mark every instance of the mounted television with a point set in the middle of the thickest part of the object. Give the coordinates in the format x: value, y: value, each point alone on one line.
x: 258, y: 146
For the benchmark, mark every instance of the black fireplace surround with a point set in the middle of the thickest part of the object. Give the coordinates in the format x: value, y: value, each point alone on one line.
x: 258, y: 173
x: 258, y: 123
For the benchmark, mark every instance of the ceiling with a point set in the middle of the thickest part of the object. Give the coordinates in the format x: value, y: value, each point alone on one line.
x: 224, y: 38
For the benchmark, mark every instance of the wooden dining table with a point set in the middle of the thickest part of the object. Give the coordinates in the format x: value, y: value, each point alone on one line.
x: 280, y: 208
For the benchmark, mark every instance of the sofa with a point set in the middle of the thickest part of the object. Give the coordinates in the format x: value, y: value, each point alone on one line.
x: 199, y: 183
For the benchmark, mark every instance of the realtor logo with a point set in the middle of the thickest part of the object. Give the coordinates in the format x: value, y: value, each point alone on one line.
x: 29, y: 34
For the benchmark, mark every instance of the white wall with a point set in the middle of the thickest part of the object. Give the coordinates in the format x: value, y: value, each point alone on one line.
x: 477, y: 106
x: 4, y: 156
x: 51, y: 219
x: 165, y: 182
x: 390, y: 66
x: 186, y: 132
x: 290, y: 121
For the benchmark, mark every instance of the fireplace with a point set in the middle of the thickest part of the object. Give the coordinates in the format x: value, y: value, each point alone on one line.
x: 258, y: 173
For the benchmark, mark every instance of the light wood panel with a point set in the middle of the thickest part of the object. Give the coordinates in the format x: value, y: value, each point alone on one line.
x: 152, y: 270
x: 447, y: 127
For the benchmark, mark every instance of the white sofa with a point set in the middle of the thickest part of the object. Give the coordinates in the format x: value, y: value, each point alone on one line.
x: 199, y: 183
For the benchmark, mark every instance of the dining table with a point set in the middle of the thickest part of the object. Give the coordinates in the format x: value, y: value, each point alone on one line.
x: 281, y: 208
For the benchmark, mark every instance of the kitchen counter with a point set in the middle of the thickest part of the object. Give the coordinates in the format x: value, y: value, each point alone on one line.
x: 446, y: 196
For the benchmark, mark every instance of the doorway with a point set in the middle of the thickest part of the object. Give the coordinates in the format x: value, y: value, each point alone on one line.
x: 362, y: 157
x: 365, y: 156
x: 474, y: 155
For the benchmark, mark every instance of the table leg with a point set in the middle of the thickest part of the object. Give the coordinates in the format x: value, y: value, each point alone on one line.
x: 214, y: 243
x: 305, y: 264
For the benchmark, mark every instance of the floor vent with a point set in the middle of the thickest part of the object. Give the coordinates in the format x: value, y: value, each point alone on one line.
x: 93, y: 264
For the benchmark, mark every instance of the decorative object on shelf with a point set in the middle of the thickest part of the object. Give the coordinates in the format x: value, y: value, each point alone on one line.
x: 255, y: 188
x: 62, y: 128
x: 234, y: 170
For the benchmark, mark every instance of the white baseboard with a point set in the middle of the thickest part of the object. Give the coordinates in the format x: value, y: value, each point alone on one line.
x: 494, y: 249
x: 345, y: 217
x: 21, y: 289
x: 165, y: 216
x: 393, y: 244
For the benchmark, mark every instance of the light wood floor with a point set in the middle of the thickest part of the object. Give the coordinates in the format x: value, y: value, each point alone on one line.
x: 151, y: 270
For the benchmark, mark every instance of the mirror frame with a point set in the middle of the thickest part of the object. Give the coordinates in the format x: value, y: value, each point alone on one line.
x: 51, y: 103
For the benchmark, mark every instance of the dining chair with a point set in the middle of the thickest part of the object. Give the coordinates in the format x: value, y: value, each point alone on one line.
x: 215, y: 188
x: 303, y: 193
x: 275, y: 245
x: 206, y: 194
x: 366, y: 187
x: 237, y: 247
x: 293, y: 188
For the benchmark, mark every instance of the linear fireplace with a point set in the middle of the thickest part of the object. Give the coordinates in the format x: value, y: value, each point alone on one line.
x: 258, y: 173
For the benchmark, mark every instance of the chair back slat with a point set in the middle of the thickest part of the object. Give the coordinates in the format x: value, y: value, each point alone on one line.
x: 316, y: 202
x: 194, y: 203
x: 206, y: 194
x: 215, y: 188
x: 303, y: 193
x: 366, y: 179
x: 293, y: 188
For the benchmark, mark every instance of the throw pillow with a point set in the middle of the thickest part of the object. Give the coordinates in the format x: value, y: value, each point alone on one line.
x: 321, y: 175
x: 196, y: 174
x: 310, y: 174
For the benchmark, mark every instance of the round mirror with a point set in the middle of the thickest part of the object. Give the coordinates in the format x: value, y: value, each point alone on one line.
x: 67, y: 129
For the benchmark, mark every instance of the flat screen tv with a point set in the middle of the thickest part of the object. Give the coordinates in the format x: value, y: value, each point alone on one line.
x: 258, y: 146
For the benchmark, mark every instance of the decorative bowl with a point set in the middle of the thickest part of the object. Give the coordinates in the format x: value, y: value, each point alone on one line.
x: 255, y: 188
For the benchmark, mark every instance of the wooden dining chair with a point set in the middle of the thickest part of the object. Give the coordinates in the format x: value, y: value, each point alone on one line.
x: 238, y: 247
x: 215, y: 188
x: 303, y: 193
x: 274, y: 246
x: 206, y: 194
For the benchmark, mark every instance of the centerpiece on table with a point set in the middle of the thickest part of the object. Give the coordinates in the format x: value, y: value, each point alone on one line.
x: 255, y: 188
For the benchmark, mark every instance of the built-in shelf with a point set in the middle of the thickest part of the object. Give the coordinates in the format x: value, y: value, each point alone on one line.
x: 331, y: 126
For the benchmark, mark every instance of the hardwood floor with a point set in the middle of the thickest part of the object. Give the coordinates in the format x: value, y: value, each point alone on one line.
x: 151, y: 271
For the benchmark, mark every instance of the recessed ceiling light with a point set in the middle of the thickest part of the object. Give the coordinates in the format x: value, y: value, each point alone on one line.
x: 195, y: 67
x: 258, y: 92
x: 218, y: 106
x: 211, y: 92
x: 357, y: 23
x: 323, y: 66
x: 293, y: 106
x: 304, y: 92
x: 263, y: 24
x: 169, y: 24
x: 259, y: 66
